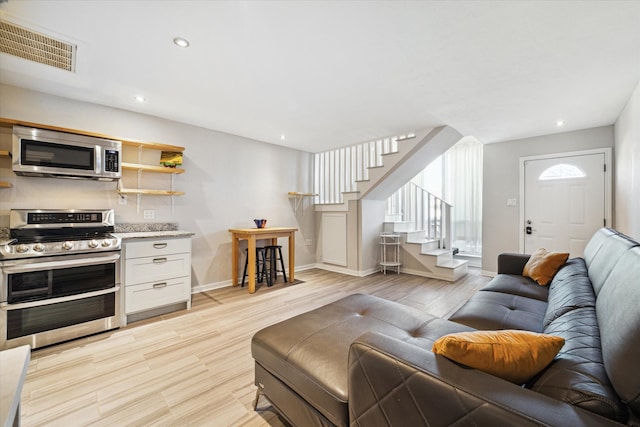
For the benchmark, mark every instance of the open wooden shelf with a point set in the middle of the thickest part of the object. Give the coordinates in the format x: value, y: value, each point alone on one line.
x: 149, y: 168
x: 4, y: 184
x: 149, y: 192
x: 298, y: 194
x: 9, y: 123
x: 126, y: 142
x: 152, y: 145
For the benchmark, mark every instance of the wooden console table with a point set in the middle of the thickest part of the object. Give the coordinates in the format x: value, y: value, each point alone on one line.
x: 251, y: 235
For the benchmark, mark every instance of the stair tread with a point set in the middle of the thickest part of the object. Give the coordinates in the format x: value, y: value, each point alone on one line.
x: 438, y: 252
x: 454, y: 263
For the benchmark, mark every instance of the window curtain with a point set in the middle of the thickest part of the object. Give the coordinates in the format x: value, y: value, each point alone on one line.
x: 462, y: 188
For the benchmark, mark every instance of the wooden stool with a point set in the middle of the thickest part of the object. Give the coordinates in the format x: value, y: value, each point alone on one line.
x: 261, y: 266
x: 273, y: 255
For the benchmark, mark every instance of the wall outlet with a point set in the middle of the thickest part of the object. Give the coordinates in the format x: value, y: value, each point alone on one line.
x: 149, y: 214
x: 512, y: 202
x: 308, y: 242
x: 123, y: 199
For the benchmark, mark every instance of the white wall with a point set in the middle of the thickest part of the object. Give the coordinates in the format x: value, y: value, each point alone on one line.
x: 501, y: 176
x: 627, y: 171
x: 229, y: 179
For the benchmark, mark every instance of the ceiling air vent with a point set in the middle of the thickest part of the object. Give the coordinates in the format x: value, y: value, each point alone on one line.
x: 37, y: 47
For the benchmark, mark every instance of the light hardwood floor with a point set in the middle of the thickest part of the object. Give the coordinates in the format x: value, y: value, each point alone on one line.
x: 195, y: 367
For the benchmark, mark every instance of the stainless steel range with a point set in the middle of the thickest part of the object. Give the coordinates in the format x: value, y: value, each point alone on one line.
x: 59, y: 276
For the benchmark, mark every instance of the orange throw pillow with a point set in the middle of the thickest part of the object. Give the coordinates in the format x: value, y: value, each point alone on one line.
x: 515, y: 356
x: 543, y: 265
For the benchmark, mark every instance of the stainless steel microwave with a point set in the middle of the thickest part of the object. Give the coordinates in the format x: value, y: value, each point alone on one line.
x: 45, y: 153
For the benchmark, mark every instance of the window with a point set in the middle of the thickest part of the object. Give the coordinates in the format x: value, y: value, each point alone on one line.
x: 561, y: 171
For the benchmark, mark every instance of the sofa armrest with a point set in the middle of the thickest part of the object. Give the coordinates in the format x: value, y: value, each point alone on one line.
x: 392, y: 382
x: 511, y: 263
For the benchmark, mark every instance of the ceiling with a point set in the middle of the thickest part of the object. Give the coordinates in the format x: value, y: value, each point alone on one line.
x: 334, y: 73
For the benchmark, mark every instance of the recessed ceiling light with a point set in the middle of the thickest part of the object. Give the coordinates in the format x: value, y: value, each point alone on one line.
x: 283, y: 137
x: 140, y: 98
x: 181, y: 42
x: 560, y: 123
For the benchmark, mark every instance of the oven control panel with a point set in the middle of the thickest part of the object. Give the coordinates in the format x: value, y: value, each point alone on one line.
x: 64, y: 218
x: 46, y: 219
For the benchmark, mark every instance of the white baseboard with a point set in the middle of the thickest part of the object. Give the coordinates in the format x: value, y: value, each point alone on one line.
x: 337, y: 269
x: 426, y: 274
x: 225, y: 283
x: 488, y: 273
x: 210, y: 286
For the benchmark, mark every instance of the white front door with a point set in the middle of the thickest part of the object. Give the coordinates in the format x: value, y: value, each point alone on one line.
x: 564, y: 201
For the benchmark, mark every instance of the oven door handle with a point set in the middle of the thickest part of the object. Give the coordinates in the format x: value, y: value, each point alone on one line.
x: 6, y: 306
x: 55, y: 265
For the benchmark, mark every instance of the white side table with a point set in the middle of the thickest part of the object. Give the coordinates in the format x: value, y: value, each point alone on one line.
x: 389, y: 252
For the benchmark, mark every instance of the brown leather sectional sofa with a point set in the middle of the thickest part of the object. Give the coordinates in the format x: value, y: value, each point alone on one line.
x: 365, y: 361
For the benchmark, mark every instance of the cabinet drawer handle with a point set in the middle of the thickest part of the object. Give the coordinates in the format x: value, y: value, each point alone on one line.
x: 159, y: 260
x: 159, y: 245
x: 160, y: 285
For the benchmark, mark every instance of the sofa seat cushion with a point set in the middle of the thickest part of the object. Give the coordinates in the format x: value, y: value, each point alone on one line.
x: 517, y: 285
x: 570, y: 289
x: 488, y: 310
x: 309, y: 352
x: 577, y: 375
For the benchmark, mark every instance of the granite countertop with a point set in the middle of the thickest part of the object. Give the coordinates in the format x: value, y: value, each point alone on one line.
x: 149, y: 230
x: 128, y: 231
x: 153, y: 234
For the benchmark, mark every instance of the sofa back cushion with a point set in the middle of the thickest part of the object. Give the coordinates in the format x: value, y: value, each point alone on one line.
x: 596, y: 241
x: 619, y: 320
x: 602, y: 254
x: 578, y: 375
x: 569, y: 289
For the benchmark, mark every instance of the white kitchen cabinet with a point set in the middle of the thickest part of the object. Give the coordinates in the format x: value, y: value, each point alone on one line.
x: 156, y: 276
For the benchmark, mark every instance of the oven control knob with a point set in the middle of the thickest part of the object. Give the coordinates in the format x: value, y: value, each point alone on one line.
x: 93, y: 243
x: 67, y: 245
x: 106, y: 243
x: 38, y: 247
x: 22, y: 249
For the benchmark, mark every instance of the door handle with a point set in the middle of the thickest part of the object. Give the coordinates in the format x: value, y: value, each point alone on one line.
x: 528, y: 229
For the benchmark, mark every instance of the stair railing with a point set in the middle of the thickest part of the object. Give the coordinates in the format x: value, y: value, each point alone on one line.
x: 424, y: 211
x: 337, y: 171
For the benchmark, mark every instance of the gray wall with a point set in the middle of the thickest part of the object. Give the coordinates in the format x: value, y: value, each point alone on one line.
x: 627, y: 172
x: 229, y: 180
x: 501, y: 177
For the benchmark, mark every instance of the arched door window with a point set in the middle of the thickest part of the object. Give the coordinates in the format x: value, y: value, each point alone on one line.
x: 562, y: 171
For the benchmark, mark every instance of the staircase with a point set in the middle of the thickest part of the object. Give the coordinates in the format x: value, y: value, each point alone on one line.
x: 423, y: 222
x: 428, y: 259
x: 373, y: 172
